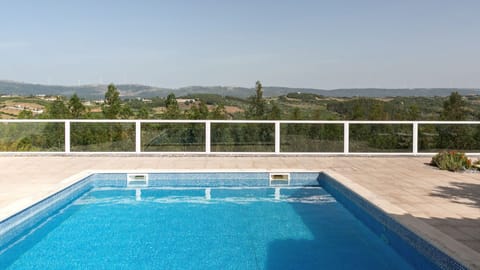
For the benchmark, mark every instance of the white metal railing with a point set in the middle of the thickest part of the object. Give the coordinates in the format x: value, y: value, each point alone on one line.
x: 276, y: 127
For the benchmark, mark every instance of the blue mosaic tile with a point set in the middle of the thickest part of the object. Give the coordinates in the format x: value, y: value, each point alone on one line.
x: 304, y: 179
x: 230, y: 179
x: 412, y: 247
x: 14, y: 226
x: 208, y: 179
x: 109, y: 179
x: 110, y: 183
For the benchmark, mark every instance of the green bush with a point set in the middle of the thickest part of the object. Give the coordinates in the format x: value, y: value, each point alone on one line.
x: 452, y: 161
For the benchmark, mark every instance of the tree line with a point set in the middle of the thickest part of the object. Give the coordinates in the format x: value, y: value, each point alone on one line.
x: 242, y: 137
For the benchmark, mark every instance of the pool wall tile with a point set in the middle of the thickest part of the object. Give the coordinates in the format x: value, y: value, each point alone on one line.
x: 227, y: 179
x: 14, y: 226
x: 304, y: 179
x: 109, y: 179
x: 207, y: 179
x: 420, y: 253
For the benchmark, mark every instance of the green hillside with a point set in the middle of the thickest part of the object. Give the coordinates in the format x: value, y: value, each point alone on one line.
x: 135, y: 90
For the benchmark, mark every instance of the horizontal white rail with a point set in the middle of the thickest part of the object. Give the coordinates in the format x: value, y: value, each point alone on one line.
x: 237, y: 121
x: 276, y: 126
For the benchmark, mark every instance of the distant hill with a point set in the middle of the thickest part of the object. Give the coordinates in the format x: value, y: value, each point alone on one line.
x: 374, y: 92
x: 135, y: 90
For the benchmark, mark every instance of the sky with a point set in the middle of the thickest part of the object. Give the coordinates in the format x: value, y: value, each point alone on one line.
x: 310, y: 44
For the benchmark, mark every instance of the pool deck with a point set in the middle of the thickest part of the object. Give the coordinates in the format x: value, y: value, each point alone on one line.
x: 443, y: 206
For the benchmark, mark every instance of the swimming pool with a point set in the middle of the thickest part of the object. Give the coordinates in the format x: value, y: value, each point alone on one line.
x: 207, y: 221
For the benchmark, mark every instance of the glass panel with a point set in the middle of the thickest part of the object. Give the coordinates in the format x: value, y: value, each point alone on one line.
x: 175, y: 137
x: 243, y: 137
x: 311, y: 138
x: 381, y: 138
x: 435, y: 138
x: 32, y: 137
x: 102, y: 137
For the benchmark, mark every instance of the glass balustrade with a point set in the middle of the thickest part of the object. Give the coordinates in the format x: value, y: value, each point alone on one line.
x: 204, y: 136
x: 102, y: 137
x: 32, y: 136
x: 381, y: 138
x: 311, y: 138
x: 173, y: 137
x: 433, y: 138
x: 242, y: 137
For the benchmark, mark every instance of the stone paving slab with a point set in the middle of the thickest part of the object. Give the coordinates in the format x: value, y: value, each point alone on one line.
x: 448, y: 202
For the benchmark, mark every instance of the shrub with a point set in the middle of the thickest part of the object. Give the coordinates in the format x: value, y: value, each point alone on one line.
x: 452, y: 161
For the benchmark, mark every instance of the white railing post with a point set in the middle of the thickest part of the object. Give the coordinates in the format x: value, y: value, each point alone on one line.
x: 346, y: 138
x: 207, y: 137
x: 138, y: 137
x: 67, y: 136
x: 277, y: 137
x: 415, y: 138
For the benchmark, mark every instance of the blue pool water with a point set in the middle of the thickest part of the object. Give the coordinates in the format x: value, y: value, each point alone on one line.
x: 107, y: 228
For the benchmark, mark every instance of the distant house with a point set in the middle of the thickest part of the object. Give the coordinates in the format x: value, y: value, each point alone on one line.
x: 183, y: 100
x: 37, y: 111
x: 50, y: 98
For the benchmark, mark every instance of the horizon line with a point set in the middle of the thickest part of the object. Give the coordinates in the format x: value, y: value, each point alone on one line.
x: 235, y: 86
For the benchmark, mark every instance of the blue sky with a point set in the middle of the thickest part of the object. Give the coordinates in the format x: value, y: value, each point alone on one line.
x: 318, y: 44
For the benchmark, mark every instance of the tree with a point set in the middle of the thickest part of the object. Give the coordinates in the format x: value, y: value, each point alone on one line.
x: 25, y: 114
x: 317, y: 114
x: 53, y: 132
x: 296, y: 114
x: 143, y: 113
x: 199, y: 111
x: 173, y: 111
x: 125, y: 112
x: 57, y: 109
x: 219, y: 113
x: 275, y: 113
x: 357, y: 112
x: 75, y: 106
x: 377, y: 111
x: 257, y: 103
x: 454, y: 108
x: 413, y: 113
x: 112, y: 106
x: 202, y: 110
x: 455, y: 136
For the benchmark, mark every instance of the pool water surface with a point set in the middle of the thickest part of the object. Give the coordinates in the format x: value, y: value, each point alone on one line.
x: 199, y: 228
